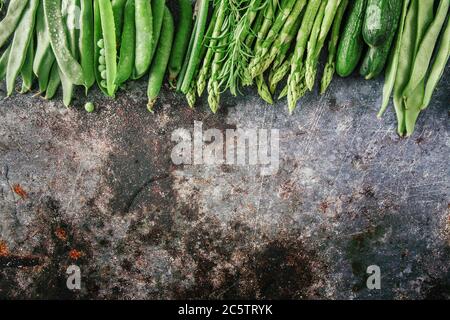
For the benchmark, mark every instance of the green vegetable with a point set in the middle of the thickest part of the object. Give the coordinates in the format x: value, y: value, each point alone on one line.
x: 193, y: 60
x: 159, y: 65
x: 407, y: 49
x: 11, y: 20
x: 144, y: 37
x: 53, y: 82
x: 376, y: 57
x: 89, y: 107
x: 377, y: 22
x: 438, y: 67
x: 391, y: 70
x: 68, y: 64
x: 118, y: 7
x: 297, y: 74
x: 86, y: 45
x: 330, y: 66
x: 158, y: 8
x: 128, y: 46
x: 317, y: 40
x: 4, y: 62
x: 27, y: 69
x: 19, y: 46
x: 181, y: 41
x: 109, y: 43
x: 352, y: 44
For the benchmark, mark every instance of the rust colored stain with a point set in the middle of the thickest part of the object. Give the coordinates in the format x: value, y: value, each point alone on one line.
x: 61, y: 234
x: 74, y: 254
x: 3, y: 249
x: 19, y: 191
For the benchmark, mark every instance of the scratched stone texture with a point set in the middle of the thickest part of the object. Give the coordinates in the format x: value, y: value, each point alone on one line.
x: 100, y: 191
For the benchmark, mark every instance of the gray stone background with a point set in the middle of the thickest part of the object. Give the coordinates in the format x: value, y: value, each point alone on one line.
x: 100, y: 191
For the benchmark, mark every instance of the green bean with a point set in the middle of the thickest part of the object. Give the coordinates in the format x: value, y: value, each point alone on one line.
x: 438, y: 67
x: 68, y: 64
x: 43, y: 73
x: 71, y: 25
x: 42, y: 39
x: 144, y: 37
x: 109, y: 39
x: 404, y: 66
x: 391, y: 69
x: 27, y: 68
x: 182, y: 73
x: 193, y: 60
x: 158, y: 14
x: 181, y: 41
x: 159, y: 65
x: 426, y: 48
x: 118, y: 7
x: 53, y: 82
x: 86, y: 45
x: 19, y: 46
x: 4, y: 62
x: 10, y: 21
x: 128, y: 46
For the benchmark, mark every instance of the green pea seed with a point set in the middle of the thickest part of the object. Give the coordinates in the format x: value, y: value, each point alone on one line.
x: 104, y: 74
x: 102, y: 60
x: 101, y: 43
x: 102, y: 52
x: 89, y: 107
x: 101, y: 68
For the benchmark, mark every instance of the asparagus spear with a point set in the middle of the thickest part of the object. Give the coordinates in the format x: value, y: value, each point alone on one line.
x: 295, y: 76
x: 316, y: 42
x: 330, y: 66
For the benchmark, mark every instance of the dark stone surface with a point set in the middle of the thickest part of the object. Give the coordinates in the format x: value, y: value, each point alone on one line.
x: 100, y: 191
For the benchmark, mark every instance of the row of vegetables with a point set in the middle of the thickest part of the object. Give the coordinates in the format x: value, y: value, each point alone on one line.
x: 220, y: 45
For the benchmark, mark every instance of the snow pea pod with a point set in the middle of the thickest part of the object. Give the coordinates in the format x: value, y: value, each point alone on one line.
x: 86, y: 44
x: 27, y: 69
x: 4, y: 63
x: 19, y: 46
x: 9, y: 23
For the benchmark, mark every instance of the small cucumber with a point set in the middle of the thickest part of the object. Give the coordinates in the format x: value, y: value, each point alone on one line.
x: 351, y: 45
x: 377, y: 22
x: 376, y: 57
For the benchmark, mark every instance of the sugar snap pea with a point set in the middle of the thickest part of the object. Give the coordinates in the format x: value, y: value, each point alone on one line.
x: 181, y: 42
x: 118, y: 7
x: 128, y: 47
x: 86, y: 44
x: 19, y: 46
x: 144, y: 37
x: 159, y: 65
x: 9, y: 23
x: 158, y: 9
x: 68, y: 64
